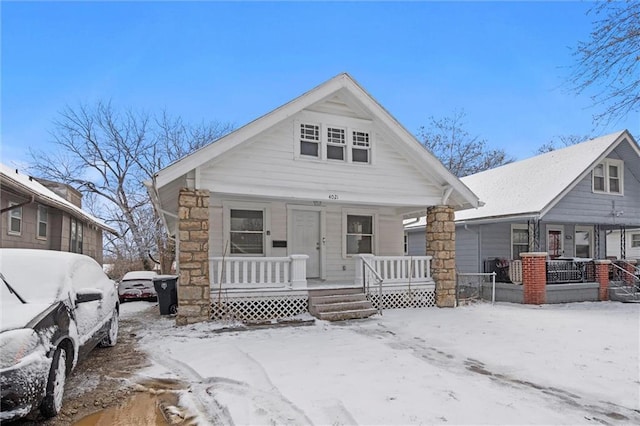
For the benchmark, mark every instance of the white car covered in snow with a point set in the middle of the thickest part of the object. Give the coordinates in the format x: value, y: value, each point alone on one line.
x: 56, y: 307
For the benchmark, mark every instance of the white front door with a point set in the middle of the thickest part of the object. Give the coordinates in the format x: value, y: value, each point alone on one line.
x: 306, y: 239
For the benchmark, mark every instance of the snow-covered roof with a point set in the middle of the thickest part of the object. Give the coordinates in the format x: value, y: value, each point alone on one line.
x: 45, y: 196
x: 533, y: 186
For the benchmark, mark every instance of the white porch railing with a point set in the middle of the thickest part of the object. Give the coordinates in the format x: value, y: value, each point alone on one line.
x: 396, y: 269
x: 255, y: 272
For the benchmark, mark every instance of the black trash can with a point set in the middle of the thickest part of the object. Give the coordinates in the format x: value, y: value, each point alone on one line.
x: 167, y: 289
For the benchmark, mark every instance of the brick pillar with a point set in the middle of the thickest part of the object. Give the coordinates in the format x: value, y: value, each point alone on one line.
x: 441, y: 245
x: 534, y: 277
x: 602, y: 277
x: 194, y: 304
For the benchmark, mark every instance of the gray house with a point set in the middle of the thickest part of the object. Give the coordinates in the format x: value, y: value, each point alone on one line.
x: 564, y: 202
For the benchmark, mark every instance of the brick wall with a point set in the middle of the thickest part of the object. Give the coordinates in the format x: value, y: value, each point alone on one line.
x: 602, y: 277
x: 534, y: 277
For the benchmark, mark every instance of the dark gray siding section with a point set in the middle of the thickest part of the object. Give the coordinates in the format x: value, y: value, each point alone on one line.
x: 467, y: 254
x: 582, y: 206
x: 496, y: 241
x: 417, y: 242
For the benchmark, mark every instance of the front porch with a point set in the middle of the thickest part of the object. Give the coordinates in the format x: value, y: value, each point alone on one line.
x: 263, y: 288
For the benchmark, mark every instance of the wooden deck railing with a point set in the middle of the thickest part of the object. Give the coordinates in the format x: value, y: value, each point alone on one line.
x: 249, y: 272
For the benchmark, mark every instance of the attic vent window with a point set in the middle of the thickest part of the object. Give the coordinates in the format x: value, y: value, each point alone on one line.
x: 309, y: 139
x: 607, y: 177
x: 361, y: 146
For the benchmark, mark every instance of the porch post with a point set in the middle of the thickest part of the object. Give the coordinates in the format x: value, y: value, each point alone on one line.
x: 299, y: 270
x: 602, y: 276
x: 534, y: 277
x: 441, y: 245
x: 194, y: 304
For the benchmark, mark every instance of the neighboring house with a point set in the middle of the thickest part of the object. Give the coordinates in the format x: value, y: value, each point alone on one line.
x: 564, y: 202
x: 629, y: 240
x: 41, y: 214
x: 297, y: 198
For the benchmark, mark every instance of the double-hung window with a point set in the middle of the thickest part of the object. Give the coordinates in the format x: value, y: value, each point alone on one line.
x: 336, y: 143
x: 635, y: 240
x: 583, y: 241
x: 608, y: 177
x: 359, y: 234
x: 519, y: 240
x: 247, y: 232
x: 15, y: 220
x: 361, y: 147
x: 42, y: 222
x: 310, y: 140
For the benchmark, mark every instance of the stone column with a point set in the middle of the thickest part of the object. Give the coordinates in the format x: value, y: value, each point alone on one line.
x: 602, y: 277
x: 441, y: 245
x: 194, y: 294
x: 534, y: 277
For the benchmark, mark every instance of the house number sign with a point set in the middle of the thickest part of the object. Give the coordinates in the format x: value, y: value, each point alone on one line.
x: 333, y: 196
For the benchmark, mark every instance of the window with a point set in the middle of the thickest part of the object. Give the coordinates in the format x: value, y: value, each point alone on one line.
x: 519, y: 240
x: 247, y: 232
x: 336, y: 143
x: 42, y: 222
x: 359, y: 234
x: 635, y: 240
x: 15, y: 220
x: 608, y: 177
x: 583, y: 240
x: 310, y: 140
x: 77, y: 237
x: 360, y: 150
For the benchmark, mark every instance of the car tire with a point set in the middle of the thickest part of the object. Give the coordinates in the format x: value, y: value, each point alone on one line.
x: 112, y: 335
x: 52, y: 402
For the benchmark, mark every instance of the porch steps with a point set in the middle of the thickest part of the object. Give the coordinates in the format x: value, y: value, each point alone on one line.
x: 339, y: 304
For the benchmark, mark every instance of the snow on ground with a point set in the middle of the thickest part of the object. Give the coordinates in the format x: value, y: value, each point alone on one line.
x: 480, y: 364
x: 129, y: 309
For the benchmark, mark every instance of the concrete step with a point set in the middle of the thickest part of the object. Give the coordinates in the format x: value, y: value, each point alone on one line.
x: 343, y: 306
x: 321, y: 300
x: 346, y: 315
x: 335, y: 291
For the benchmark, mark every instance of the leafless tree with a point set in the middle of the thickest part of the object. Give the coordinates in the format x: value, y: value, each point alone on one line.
x: 107, y: 154
x: 462, y: 153
x: 561, y: 141
x: 608, y: 64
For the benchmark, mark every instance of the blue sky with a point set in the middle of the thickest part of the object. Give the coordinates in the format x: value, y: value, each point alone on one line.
x: 504, y: 63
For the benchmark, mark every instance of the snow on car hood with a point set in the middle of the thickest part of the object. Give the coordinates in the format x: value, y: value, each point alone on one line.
x: 17, y: 315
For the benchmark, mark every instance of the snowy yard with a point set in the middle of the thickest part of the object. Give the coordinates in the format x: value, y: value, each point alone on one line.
x: 481, y: 364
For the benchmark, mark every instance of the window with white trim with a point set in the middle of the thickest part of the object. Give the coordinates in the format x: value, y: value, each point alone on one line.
x: 310, y: 140
x: 361, y: 147
x: 247, y: 232
x: 519, y: 240
x: 635, y: 240
x: 359, y: 234
x: 608, y: 177
x: 583, y: 241
x: 336, y: 143
x: 43, y: 221
x: 15, y: 220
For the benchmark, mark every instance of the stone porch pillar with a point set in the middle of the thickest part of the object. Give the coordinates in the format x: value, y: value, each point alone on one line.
x: 602, y: 277
x: 194, y: 294
x: 441, y: 245
x: 534, y: 277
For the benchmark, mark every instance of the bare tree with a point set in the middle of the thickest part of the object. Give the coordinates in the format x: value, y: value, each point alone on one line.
x: 609, y: 62
x: 462, y: 153
x: 106, y: 154
x: 561, y: 141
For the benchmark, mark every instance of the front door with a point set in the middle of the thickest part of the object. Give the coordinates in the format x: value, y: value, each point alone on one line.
x: 306, y: 239
x: 554, y: 243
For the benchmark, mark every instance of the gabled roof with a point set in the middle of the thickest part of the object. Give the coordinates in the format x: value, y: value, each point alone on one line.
x: 31, y: 187
x: 533, y: 186
x: 432, y: 166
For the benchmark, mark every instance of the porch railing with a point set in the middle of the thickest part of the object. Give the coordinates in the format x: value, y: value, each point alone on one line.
x: 570, y: 271
x: 396, y: 269
x: 248, y: 272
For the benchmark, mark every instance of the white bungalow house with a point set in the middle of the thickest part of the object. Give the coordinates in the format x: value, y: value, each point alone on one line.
x: 309, y: 196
